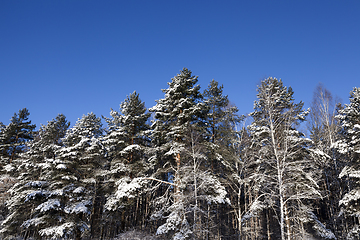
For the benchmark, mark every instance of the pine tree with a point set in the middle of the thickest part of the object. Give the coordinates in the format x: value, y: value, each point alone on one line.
x: 127, y: 136
x: 221, y: 120
x: 349, y: 146
x: 284, y: 165
x: 179, y: 132
x: 14, y: 136
x: 30, y: 189
x: 180, y: 108
x: 220, y: 124
x: 66, y: 210
x: 127, y: 144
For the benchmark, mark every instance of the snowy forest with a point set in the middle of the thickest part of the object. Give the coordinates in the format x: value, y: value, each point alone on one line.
x: 190, y: 167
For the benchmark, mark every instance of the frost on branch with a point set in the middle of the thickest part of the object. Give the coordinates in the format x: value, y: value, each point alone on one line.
x: 36, y: 184
x: 353, y: 195
x: 34, y: 222
x: 255, y: 208
x: 349, y: 171
x: 127, y: 188
x: 341, y: 146
x: 58, y: 231
x: 33, y: 194
x: 131, y: 148
x: 51, y: 204
x: 354, y: 233
x: 78, y: 208
x: 175, y: 225
x: 9, y: 168
x: 309, y: 217
x: 216, y: 191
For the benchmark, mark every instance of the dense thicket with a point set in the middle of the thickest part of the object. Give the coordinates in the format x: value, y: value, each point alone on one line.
x: 188, y: 168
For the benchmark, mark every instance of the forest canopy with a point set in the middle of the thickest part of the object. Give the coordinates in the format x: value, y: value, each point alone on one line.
x: 190, y: 167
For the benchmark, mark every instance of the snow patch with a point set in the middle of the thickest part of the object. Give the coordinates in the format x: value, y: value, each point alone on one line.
x: 49, y: 205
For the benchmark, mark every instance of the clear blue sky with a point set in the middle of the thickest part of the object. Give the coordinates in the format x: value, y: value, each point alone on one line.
x: 80, y: 56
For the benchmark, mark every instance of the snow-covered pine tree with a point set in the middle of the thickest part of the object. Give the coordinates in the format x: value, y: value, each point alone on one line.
x: 285, y: 171
x: 221, y: 122
x: 14, y: 136
x: 180, y: 108
x: 178, y: 133
x: 30, y: 189
x: 127, y: 136
x: 127, y: 143
x: 71, y: 176
x: 349, y: 146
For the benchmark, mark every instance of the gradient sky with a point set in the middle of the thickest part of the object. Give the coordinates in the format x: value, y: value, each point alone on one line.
x: 80, y: 56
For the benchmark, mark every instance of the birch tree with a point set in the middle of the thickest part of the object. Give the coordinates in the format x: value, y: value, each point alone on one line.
x: 323, y: 127
x: 284, y: 165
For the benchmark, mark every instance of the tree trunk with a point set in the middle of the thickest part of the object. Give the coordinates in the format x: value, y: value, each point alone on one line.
x: 282, y: 227
x: 96, y: 214
x: 268, y: 225
x: 176, y: 187
x: 77, y: 234
x: 287, y: 221
x: 239, y: 214
x: 14, y: 149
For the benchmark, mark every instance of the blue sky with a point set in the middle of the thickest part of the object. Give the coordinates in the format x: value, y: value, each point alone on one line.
x: 80, y: 56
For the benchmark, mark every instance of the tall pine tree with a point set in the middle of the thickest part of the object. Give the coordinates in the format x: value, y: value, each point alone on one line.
x: 14, y: 136
x: 67, y: 208
x: 349, y: 146
x: 180, y: 130
x: 30, y: 189
x: 127, y: 143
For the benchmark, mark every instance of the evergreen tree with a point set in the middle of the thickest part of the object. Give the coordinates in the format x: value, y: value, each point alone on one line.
x: 127, y: 138
x: 127, y: 143
x: 30, y: 189
x: 14, y: 136
x: 66, y: 210
x: 180, y: 130
x: 221, y: 135
x: 349, y: 146
x: 221, y: 120
x: 180, y: 108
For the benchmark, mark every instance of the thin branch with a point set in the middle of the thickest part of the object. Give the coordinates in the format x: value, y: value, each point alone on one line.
x: 161, y: 181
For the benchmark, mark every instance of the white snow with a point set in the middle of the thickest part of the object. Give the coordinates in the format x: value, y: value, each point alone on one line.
x: 353, y: 195
x: 78, y: 208
x: 49, y: 205
x: 36, y: 184
x: 57, y: 231
x: 9, y: 168
x: 79, y: 190
x: 61, y: 166
x: 128, y: 189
